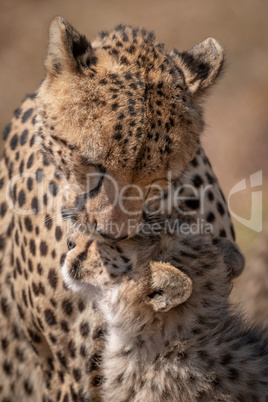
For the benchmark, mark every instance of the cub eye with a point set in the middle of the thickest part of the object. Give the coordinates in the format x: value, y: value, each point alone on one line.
x: 70, y: 243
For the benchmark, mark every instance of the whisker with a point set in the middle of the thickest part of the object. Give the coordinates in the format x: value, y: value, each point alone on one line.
x: 70, y: 228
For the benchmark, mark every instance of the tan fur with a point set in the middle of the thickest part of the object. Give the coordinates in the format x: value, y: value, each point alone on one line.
x: 172, y: 335
x: 92, y: 107
x: 61, y: 362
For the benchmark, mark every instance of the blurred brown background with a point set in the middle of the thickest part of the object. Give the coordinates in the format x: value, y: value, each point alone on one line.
x: 236, y: 112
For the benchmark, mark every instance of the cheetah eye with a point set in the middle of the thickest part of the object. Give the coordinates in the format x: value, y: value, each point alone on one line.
x: 94, y: 177
x: 94, y: 174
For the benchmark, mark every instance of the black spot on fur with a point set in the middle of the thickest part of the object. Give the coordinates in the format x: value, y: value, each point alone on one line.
x: 26, y: 115
x: 35, y: 205
x: 21, y: 167
x: 28, y: 387
x: 226, y: 359
x: 43, y: 248
x: 220, y: 208
x: 30, y: 265
x: 210, y: 179
x: 7, y: 367
x: 14, y: 142
x: 58, y: 233
x: 53, y: 188
x: 2, y: 181
x: 3, y: 208
x: 233, y: 374
x: 72, y: 348
x: 6, y: 131
x: 197, y: 181
x: 97, y: 381
x: 81, y: 305
x: 30, y: 184
x: 32, y: 140
x: 222, y: 233
x: 28, y: 224
x: 2, y: 242
x: 84, y: 329
x: 64, y: 326
x: 39, y: 269
x: 48, y: 222
x: 194, y: 162
x: 62, y: 359
x: 23, y: 137
x: 21, y: 198
x: 4, y: 343
x: 5, y: 306
x: 45, y: 161
x: 77, y: 374
x: 211, y: 217
x: 50, y: 317
x: 192, y: 203
x: 117, y: 136
x: 210, y: 196
x: 57, y: 67
x: 67, y: 307
x: 30, y: 161
x: 39, y: 175
x: 32, y: 247
x: 17, y: 112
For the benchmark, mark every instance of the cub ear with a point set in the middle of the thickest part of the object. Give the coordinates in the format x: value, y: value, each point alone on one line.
x: 67, y: 49
x: 170, y: 287
x: 202, y: 64
x: 232, y: 256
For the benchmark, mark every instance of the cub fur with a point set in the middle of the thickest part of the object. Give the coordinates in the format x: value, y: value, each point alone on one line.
x: 171, y: 333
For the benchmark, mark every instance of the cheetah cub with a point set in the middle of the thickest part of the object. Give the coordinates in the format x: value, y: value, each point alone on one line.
x: 171, y: 334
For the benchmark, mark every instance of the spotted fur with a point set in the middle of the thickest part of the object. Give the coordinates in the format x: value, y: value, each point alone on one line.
x: 171, y: 333
x: 41, y: 177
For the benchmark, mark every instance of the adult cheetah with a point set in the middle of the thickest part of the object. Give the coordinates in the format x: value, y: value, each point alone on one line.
x: 171, y: 334
x: 121, y: 107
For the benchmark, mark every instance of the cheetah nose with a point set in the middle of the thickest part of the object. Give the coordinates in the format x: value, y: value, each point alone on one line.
x: 70, y: 243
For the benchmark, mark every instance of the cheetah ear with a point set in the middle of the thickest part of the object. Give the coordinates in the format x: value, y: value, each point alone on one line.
x: 232, y: 256
x: 67, y: 49
x: 170, y: 287
x: 202, y: 64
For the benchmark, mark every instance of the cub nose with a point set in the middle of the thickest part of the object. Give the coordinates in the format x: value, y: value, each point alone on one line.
x: 70, y: 243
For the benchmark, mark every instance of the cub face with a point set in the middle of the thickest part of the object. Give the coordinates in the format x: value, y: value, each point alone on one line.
x: 161, y: 274
x: 118, y: 114
x: 90, y: 269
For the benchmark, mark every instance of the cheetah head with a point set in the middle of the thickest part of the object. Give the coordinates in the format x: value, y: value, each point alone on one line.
x: 117, y: 115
